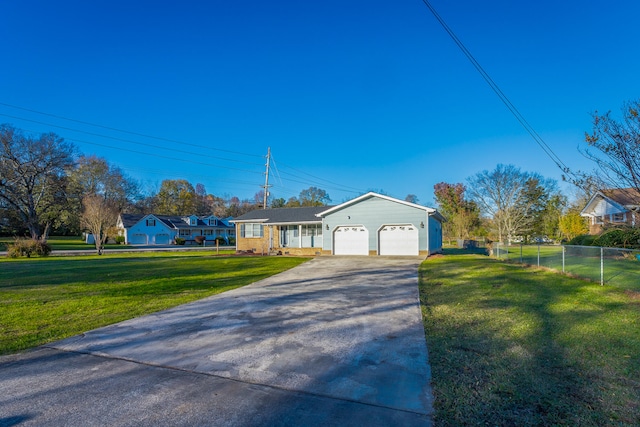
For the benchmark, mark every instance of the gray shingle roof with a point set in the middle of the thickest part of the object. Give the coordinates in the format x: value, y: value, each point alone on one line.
x: 172, y: 221
x: 283, y: 215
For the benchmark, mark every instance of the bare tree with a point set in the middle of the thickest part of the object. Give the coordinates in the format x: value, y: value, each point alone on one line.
x: 94, y: 175
x: 33, y: 176
x: 617, y: 144
x: 99, y: 217
x: 499, y: 195
x: 314, y: 196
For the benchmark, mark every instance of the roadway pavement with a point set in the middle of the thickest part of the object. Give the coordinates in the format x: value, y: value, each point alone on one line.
x: 334, y: 341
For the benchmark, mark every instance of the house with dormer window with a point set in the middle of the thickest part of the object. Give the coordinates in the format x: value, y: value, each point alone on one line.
x: 152, y: 229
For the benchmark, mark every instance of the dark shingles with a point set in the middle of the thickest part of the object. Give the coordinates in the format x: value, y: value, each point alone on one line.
x: 284, y: 215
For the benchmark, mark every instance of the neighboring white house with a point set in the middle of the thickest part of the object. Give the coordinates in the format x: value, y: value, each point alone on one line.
x: 152, y: 229
x: 612, y: 207
x: 372, y: 224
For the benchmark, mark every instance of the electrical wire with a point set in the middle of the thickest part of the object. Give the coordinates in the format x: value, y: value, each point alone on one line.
x: 128, y: 141
x: 496, y: 89
x: 126, y: 131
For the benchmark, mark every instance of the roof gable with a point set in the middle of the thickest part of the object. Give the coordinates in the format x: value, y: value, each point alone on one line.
x: 623, y: 199
x: 380, y: 196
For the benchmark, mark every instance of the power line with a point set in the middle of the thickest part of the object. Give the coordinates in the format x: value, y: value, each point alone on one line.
x: 496, y: 89
x: 126, y: 131
x: 128, y: 140
x: 296, y: 178
x: 162, y: 156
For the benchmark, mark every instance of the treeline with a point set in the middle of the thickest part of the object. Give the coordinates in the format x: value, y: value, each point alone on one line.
x: 509, y: 205
x: 48, y: 187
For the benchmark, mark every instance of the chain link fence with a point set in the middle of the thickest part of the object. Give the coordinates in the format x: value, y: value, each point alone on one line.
x: 610, y: 266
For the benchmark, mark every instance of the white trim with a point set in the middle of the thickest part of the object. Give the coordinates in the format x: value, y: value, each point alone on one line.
x: 372, y: 194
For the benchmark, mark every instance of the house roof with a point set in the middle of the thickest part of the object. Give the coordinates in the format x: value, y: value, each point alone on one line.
x: 627, y: 197
x: 433, y: 212
x: 173, y: 221
x: 624, y: 198
x: 282, y: 215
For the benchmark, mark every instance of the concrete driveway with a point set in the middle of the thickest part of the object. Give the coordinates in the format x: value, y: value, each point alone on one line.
x: 335, y: 341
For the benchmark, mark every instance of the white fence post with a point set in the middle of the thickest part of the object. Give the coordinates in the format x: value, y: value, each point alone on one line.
x: 601, y: 266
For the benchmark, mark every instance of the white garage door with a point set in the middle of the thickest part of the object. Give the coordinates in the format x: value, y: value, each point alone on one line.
x: 162, y: 239
x: 351, y: 240
x: 138, y: 239
x: 398, y: 240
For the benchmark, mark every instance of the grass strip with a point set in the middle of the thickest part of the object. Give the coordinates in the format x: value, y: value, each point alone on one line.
x: 510, y: 345
x: 47, y: 299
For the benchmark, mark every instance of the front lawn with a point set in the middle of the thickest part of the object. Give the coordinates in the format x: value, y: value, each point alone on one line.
x: 47, y: 299
x: 510, y: 345
x: 64, y: 243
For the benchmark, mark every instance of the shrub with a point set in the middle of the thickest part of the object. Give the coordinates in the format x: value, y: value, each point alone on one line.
x: 28, y: 247
x: 232, y: 240
x: 583, y: 240
x: 199, y: 239
x: 626, y: 237
x: 179, y: 241
x: 119, y: 240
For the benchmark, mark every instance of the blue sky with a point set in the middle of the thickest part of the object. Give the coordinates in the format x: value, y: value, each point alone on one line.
x: 350, y: 95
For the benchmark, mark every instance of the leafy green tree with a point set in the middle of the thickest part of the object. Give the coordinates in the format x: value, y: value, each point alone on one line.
x: 314, y: 196
x: 540, y: 206
x: 176, y: 197
x: 572, y: 225
x: 33, y: 176
x: 293, y: 202
x: 278, y: 203
x: 463, y: 216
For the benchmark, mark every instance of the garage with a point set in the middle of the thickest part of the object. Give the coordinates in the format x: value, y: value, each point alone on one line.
x: 398, y: 240
x: 351, y: 240
x: 162, y: 239
x: 138, y: 239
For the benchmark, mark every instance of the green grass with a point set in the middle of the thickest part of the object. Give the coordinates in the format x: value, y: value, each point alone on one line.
x: 510, y: 346
x: 47, y: 299
x: 75, y: 243
x: 620, y: 271
x: 64, y: 243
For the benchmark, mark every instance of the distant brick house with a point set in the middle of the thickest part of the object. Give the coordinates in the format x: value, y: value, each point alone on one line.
x: 613, y: 207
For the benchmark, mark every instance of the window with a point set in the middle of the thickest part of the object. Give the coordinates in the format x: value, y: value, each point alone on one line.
x: 194, y: 221
x: 185, y: 232
x: 312, y: 230
x: 151, y: 223
x: 213, y: 221
x: 598, y: 219
x: 208, y: 232
x: 251, y: 230
x: 618, y: 217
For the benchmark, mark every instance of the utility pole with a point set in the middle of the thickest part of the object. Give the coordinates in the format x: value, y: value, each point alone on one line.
x: 266, y: 180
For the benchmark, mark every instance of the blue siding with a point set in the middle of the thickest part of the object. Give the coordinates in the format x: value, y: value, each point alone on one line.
x: 375, y: 212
